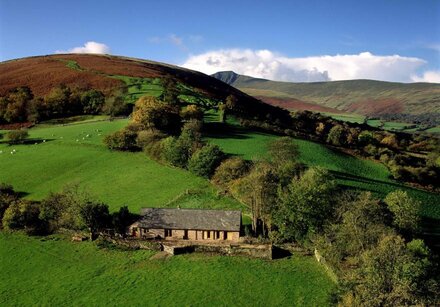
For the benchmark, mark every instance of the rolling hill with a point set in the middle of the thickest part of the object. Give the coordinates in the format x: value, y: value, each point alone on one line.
x: 365, y: 97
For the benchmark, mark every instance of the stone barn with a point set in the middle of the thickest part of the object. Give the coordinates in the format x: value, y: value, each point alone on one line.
x: 188, y: 224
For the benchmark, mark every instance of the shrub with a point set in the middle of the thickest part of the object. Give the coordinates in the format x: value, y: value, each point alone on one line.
x: 23, y: 215
x: 146, y: 138
x: 17, y: 136
x: 92, y: 101
x: 124, y: 139
x: 405, y: 211
x: 174, y: 152
x: 230, y: 169
x: 336, y: 136
x: 204, y: 161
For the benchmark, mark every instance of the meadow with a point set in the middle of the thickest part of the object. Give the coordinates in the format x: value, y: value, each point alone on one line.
x: 350, y: 172
x: 53, y: 271
x: 75, y: 154
x: 48, y: 271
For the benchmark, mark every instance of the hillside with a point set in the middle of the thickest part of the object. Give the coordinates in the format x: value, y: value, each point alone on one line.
x: 366, y: 97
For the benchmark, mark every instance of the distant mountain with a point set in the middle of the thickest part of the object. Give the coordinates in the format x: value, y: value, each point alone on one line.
x: 366, y: 97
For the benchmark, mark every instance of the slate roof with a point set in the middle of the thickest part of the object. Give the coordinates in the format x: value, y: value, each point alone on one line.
x: 191, y: 219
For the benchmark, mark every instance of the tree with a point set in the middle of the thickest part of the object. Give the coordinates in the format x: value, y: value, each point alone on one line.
x: 204, y: 161
x: 229, y: 170
x: 283, y: 150
x: 231, y: 102
x: 405, y: 211
x: 306, y: 205
x: 258, y: 190
x: 122, y: 219
x: 391, y: 274
x: 125, y: 140
x: 192, y: 112
x: 7, y: 197
x: 360, y: 223
x: 17, y: 136
x: 115, y: 105
x: 152, y: 114
x: 336, y: 136
x: 15, y: 104
x: 95, y: 217
x: 62, y: 209
x: 92, y: 101
x: 23, y: 214
x: 58, y: 100
x: 170, y: 91
x: 174, y: 152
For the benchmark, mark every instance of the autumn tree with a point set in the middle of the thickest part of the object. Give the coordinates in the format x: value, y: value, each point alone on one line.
x: 95, y: 217
x: 392, y: 274
x: 152, y: 114
x: 305, y: 205
x: 336, y: 136
x: 229, y: 170
x: 170, y: 91
x: 192, y: 112
x: 205, y: 160
x: 405, y: 211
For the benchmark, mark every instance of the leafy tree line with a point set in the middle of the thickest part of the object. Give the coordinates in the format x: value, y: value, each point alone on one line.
x: 169, y: 134
x: 372, y: 244
x: 20, y: 105
x: 70, y: 209
x: 393, y: 149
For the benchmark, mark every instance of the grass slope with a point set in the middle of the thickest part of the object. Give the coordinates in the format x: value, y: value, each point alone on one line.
x: 117, y: 178
x: 60, y: 273
x: 350, y: 172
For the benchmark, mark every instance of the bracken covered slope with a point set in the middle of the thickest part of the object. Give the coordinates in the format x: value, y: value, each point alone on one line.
x: 104, y: 72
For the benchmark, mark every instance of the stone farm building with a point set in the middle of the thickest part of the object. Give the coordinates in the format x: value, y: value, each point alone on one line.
x: 188, y: 224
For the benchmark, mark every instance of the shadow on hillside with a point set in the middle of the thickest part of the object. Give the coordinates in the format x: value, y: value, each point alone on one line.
x: 351, y: 177
x: 29, y: 142
x: 224, y: 131
x: 228, y: 131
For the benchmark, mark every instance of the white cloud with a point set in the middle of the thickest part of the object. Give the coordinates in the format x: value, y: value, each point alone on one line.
x: 430, y: 76
x: 271, y: 65
x: 89, y: 47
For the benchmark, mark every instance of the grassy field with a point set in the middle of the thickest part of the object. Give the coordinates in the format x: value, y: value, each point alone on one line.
x: 117, y: 178
x: 60, y: 273
x: 350, y: 172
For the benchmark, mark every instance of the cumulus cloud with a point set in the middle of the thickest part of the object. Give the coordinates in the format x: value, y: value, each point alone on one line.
x: 271, y: 65
x: 89, y: 47
x: 431, y: 76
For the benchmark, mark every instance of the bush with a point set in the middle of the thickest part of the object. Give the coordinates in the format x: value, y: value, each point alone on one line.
x: 17, y: 136
x: 92, y: 101
x: 146, y: 138
x: 229, y: 170
x: 174, y: 152
x: 204, y: 161
x: 124, y: 140
x: 23, y: 215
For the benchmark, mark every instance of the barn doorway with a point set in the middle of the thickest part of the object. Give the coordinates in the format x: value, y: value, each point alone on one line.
x: 185, y: 234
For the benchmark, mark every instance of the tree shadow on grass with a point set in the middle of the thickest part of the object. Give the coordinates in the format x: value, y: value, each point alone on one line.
x: 28, y: 142
x: 280, y: 253
x: 218, y: 130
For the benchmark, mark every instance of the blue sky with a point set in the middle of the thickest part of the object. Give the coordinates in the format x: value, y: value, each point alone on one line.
x: 394, y: 40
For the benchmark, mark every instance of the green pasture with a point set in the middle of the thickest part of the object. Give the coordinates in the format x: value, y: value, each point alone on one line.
x: 351, y: 172
x: 50, y: 272
x: 60, y: 155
